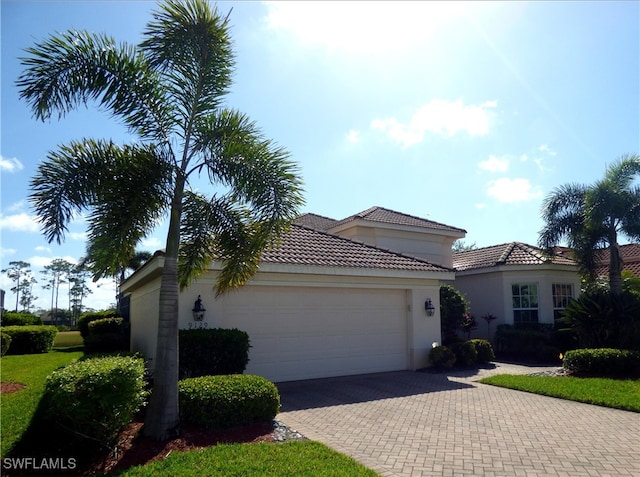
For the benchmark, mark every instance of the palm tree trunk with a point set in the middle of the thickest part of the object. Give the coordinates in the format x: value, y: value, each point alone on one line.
x: 163, y: 416
x: 615, y: 268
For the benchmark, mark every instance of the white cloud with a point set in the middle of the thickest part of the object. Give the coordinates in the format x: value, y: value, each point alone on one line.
x: 363, y: 27
x: 494, y: 164
x: 81, y: 236
x: 6, y: 252
x: 10, y: 164
x: 513, y: 190
x: 152, y: 243
x: 353, y: 136
x: 546, y: 149
x: 18, y: 223
x: 439, y: 116
x: 38, y: 261
x: 42, y: 248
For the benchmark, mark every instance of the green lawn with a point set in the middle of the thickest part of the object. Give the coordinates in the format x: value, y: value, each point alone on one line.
x: 275, y: 459
x: 616, y: 393
x: 230, y: 460
x: 17, y: 408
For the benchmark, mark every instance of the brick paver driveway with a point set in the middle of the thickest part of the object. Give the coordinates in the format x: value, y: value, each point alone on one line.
x: 422, y: 424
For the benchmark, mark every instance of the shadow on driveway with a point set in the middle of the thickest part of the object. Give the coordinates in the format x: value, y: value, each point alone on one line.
x: 316, y: 393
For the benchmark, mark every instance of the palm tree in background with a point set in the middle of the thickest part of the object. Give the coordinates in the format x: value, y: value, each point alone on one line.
x: 594, y: 217
x: 168, y: 91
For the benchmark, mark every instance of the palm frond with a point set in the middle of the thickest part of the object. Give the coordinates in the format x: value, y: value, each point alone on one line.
x: 76, y: 67
x: 218, y: 229
x: 260, y: 173
x: 189, y: 43
x: 125, y: 189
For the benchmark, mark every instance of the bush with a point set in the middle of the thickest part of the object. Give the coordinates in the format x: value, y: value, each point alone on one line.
x: 30, y: 339
x: 484, y: 350
x: 603, y: 362
x: 11, y: 318
x: 466, y: 354
x: 5, y: 342
x: 442, y: 357
x: 533, y: 342
x: 107, y: 335
x: 453, y: 307
x: 215, y: 402
x: 603, y: 320
x: 212, y: 352
x: 95, y: 399
x: 86, y: 318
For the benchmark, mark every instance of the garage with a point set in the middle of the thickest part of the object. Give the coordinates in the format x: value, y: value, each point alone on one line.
x: 312, y: 332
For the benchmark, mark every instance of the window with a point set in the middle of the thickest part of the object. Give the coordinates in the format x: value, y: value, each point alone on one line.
x: 562, y: 295
x: 525, y: 303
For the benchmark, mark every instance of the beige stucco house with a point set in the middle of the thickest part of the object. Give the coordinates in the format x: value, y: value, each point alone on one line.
x: 333, y: 298
x: 515, y: 282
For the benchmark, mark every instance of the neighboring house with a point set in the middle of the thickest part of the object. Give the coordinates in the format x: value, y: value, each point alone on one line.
x: 515, y: 282
x: 630, y: 254
x: 333, y: 298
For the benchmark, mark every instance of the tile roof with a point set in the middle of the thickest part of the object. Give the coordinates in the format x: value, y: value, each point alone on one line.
x: 382, y: 215
x: 513, y: 253
x: 305, y: 246
x: 630, y: 259
x: 315, y: 221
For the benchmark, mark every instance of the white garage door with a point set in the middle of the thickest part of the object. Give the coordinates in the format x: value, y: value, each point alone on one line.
x: 307, y: 332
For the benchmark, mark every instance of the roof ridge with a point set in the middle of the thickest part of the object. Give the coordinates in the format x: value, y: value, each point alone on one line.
x: 373, y: 247
x: 313, y: 213
x: 504, y: 256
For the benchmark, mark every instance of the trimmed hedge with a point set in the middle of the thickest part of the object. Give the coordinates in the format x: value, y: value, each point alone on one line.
x: 218, y: 402
x: 5, y: 342
x: 484, y: 350
x: 30, y: 339
x: 94, y: 399
x: 442, y: 357
x: 212, y: 352
x: 86, y: 318
x: 534, y: 342
x: 603, y: 362
x: 107, y: 335
x: 466, y: 354
x: 11, y: 318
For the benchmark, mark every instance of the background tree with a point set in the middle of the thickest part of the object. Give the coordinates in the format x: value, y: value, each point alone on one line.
x: 169, y: 92
x: 592, y: 217
x: 27, y: 298
x: 17, y: 272
x: 55, y: 274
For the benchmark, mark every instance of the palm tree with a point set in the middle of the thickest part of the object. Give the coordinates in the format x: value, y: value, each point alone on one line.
x: 169, y: 92
x: 593, y: 217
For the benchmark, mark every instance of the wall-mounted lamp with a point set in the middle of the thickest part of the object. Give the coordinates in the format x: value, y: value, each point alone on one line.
x: 198, y: 310
x: 429, y: 308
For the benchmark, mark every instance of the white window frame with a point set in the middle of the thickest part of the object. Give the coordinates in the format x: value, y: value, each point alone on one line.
x: 525, y: 303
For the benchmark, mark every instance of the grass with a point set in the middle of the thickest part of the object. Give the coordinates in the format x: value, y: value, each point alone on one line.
x: 615, y: 393
x: 264, y: 459
x: 67, y: 339
x: 18, y: 408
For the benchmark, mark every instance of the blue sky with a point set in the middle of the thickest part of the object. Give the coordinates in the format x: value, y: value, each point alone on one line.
x: 463, y: 113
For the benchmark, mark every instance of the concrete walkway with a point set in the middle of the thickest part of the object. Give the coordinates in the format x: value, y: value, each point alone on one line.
x: 423, y: 424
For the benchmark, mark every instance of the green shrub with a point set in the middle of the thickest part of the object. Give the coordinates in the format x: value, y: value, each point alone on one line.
x: 215, y: 402
x: 212, y: 352
x: 603, y: 362
x: 442, y: 357
x: 96, y: 398
x: 30, y: 339
x: 86, y: 318
x: 107, y: 335
x: 5, y: 342
x: 466, y: 354
x: 453, y: 307
x: 519, y: 343
x: 484, y: 350
x: 11, y: 318
x: 603, y: 320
